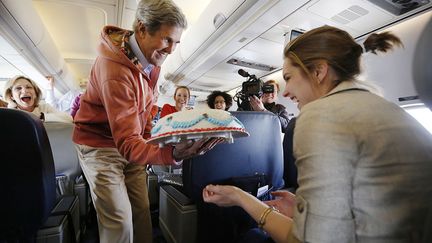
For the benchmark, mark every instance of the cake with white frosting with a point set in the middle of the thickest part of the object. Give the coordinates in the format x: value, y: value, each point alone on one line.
x: 196, y: 124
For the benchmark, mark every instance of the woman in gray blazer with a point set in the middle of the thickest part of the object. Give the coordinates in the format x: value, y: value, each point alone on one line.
x: 364, y: 164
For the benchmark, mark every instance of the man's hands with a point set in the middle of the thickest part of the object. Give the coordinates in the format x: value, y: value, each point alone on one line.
x: 189, y: 148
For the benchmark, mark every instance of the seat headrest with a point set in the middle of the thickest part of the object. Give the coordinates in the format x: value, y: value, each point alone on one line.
x: 63, y: 149
x: 27, y: 178
x: 260, y: 153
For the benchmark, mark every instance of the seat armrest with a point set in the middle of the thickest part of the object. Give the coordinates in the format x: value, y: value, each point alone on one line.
x: 177, y: 216
x: 177, y: 195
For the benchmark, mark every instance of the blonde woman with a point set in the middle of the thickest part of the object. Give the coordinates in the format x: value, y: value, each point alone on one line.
x: 364, y: 164
x: 22, y: 93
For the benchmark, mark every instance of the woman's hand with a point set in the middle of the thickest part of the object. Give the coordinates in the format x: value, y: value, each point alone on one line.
x: 256, y: 103
x: 189, y: 148
x: 285, y: 202
x: 224, y: 196
x: 50, y: 82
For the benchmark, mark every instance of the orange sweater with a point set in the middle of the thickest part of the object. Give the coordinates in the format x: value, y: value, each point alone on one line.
x: 118, y: 100
x: 148, y: 128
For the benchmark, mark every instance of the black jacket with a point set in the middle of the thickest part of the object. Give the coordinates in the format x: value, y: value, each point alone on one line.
x: 281, y: 112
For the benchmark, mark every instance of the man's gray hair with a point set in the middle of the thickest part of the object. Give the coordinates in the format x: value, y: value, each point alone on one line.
x: 153, y: 13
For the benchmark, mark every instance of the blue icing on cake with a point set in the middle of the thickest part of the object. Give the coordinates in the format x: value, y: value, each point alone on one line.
x: 156, y: 129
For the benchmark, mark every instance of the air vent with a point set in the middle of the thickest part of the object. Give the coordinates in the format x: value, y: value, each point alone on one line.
x: 249, y: 64
x: 242, y: 39
x: 408, y: 98
x: 399, y: 7
x: 350, y: 14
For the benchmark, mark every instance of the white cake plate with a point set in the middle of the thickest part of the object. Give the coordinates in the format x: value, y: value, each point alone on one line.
x: 228, y: 135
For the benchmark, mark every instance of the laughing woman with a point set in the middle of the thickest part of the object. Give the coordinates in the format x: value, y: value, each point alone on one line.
x: 23, y: 93
x: 364, y: 164
x: 181, y: 98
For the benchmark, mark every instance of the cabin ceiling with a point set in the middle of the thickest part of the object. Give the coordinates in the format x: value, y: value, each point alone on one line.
x: 75, y: 25
x: 358, y: 17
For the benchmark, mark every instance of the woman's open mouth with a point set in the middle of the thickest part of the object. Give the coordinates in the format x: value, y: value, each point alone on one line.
x: 26, y: 99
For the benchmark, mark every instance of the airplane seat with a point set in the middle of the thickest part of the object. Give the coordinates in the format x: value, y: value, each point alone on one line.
x: 249, y: 163
x: 65, y: 156
x: 69, y: 176
x: 290, y: 168
x: 27, y: 176
x: 155, y: 173
x: 423, y: 82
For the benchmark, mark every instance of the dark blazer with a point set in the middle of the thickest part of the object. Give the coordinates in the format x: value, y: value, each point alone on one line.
x: 290, y: 169
x: 281, y: 112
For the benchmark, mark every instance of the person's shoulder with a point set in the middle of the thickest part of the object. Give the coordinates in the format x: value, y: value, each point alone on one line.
x: 116, y: 77
x: 3, y: 103
x: 280, y: 106
x: 112, y: 64
x: 46, y: 108
x: 112, y: 68
x: 167, y: 109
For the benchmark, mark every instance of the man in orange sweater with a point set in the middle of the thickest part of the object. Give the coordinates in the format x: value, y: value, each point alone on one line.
x: 111, y: 120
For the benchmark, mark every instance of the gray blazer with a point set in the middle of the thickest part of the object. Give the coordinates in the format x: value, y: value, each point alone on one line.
x: 364, y: 170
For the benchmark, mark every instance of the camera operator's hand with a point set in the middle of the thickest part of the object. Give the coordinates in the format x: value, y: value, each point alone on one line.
x: 189, y: 148
x: 256, y: 103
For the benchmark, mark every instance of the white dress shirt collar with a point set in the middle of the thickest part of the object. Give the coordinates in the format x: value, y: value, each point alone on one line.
x: 147, y: 67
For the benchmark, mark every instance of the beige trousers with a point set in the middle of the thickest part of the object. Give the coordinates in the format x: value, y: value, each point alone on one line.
x: 119, y: 192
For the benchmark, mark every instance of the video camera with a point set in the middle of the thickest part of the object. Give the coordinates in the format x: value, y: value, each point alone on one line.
x: 252, y: 86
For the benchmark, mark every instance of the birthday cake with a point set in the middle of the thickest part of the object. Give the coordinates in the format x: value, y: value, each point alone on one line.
x: 196, y: 124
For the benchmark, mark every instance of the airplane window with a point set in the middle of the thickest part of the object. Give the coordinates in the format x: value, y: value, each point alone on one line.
x: 421, y: 113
